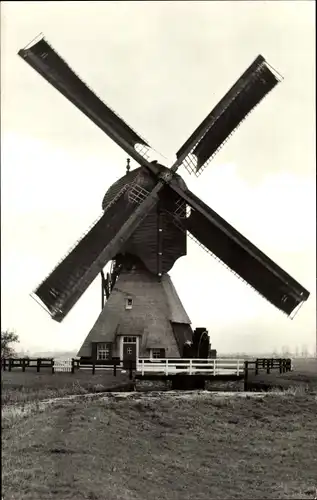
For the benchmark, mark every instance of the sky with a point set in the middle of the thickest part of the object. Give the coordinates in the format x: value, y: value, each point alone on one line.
x: 162, y: 66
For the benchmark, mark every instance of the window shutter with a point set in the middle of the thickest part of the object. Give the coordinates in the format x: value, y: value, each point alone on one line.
x: 109, y: 346
x: 162, y: 353
x: 94, y: 351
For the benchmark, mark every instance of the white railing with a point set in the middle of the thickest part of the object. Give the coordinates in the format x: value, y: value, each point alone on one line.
x: 62, y: 365
x: 169, y: 366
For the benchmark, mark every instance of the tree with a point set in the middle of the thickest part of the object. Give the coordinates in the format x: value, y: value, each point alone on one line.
x: 8, y: 337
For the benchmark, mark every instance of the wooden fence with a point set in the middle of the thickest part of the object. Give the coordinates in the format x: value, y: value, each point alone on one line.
x: 62, y: 365
x: 167, y: 367
x: 265, y: 364
x: 38, y: 363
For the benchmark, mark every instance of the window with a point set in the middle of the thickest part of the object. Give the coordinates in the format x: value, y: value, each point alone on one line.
x: 103, y: 351
x: 128, y: 303
x: 158, y: 353
x: 129, y: 340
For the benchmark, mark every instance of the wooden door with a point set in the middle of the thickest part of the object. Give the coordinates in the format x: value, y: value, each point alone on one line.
x: 129, y: 354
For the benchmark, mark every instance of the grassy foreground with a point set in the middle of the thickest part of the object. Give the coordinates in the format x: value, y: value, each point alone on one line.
x: 304, y: 376
x: 19, y: 388
x: 198, y: 447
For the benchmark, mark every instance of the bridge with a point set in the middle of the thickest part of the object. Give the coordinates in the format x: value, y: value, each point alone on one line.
x: 193, y: 373
x: 209, y: 368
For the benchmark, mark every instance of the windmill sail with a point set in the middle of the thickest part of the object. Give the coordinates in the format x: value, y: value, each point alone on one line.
x: 241, y: 256
x: 69, y: 280
x: 245, y: 94
x: 45, y: 60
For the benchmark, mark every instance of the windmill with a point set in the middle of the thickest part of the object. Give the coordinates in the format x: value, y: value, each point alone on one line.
x: 146, y: 217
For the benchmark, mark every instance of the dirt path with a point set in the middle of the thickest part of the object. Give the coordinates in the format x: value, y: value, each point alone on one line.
x: 16, y: 410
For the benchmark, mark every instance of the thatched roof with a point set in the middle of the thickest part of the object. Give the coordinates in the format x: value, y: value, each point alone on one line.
x: 156, y: 307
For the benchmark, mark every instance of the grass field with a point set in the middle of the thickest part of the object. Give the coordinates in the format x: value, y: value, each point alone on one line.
x: 304, y: 375
x: 137, y: 448
x: 199, y: 446
x: 19, y: 387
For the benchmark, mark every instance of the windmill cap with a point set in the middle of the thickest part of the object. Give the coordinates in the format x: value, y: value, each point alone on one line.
x: 142, y: 177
